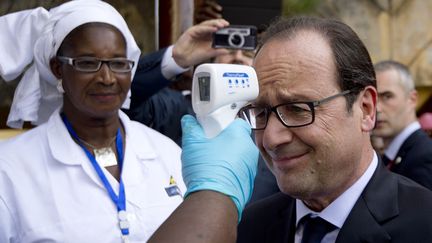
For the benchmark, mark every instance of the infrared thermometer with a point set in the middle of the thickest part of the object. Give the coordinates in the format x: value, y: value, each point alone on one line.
x: 219, y: 91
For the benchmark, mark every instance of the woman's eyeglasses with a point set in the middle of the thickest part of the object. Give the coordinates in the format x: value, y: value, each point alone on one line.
x: 92, y: 64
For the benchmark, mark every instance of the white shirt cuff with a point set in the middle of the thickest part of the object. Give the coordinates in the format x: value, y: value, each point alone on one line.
x: 169, y: 67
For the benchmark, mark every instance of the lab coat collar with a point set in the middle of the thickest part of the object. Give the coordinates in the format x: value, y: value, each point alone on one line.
x: 139, y: 142
x: 62, y: 146
x: 66, y: 151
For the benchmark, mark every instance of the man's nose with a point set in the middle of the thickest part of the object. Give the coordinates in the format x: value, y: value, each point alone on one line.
x: 275, y: 133
x: 238, y: 57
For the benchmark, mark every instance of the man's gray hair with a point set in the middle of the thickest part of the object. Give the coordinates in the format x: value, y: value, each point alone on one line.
x: 405, y: 77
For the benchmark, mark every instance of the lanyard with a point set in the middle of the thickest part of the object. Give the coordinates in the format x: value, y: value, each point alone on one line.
x: 120, y: 200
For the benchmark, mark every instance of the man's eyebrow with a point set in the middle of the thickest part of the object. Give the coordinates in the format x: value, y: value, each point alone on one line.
x: 260, y: 103
x: 385, y: 93
x: 283, y: 99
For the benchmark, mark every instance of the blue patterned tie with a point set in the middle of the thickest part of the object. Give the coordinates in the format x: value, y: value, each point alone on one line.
x: 315, y: 229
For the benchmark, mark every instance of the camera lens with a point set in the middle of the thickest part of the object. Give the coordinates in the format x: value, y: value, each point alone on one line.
x: 236, y: 40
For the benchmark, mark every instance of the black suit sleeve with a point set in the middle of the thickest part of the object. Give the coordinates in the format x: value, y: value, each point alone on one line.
x: 148, y: 78
x: 163, y: 112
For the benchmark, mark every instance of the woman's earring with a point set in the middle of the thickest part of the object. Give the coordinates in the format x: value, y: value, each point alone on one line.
x: 60, y: 86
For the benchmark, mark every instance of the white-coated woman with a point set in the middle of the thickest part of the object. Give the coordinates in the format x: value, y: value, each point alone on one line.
x: 89, y: 174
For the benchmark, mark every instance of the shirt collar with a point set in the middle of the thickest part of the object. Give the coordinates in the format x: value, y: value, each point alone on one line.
x: 337, y: 212
x: 65, y: 150
x: 397, y: 142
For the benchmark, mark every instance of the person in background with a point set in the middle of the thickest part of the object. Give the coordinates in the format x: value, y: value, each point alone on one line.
x: 312, y: 120
x: 153, y: 102
x: 236, y: 56
x: 159, y: 69
x: 425, y: 121
x: 158, y: 98
x: 408, y: 149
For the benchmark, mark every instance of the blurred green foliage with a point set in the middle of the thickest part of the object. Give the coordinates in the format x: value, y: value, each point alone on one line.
x: 299, y: 7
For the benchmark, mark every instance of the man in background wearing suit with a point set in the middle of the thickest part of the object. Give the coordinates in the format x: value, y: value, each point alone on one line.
x: 158, y: 69
x: 312, y: 120
x: 153, y: 103
x: 408, y: 149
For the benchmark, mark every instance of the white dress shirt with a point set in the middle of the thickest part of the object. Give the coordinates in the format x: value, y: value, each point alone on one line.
x: 337, y: 212
x: 397, y: 142
x: 169, y: 67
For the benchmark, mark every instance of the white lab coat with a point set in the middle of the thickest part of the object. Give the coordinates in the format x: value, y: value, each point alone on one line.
x: 49, y: 191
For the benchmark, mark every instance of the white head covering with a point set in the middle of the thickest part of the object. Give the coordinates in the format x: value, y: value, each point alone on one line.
x: 32, y: 37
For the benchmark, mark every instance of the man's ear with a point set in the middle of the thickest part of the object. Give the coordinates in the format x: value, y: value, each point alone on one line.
x: 55, y: 66
x: 413, y: 98
x: 368, y: 100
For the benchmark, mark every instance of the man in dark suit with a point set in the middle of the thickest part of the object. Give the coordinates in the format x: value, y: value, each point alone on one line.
x: 312, y: 120
x: 153, y: 103
x: 156, y: 70
x: 408, y: 149
x: 369, y: 221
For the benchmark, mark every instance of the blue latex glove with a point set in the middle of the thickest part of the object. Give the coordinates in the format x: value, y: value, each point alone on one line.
x: 226, y: 163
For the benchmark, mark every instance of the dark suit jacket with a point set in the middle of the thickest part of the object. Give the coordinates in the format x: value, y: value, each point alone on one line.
x: 163, y: 112
x: 148, y: 78
x: 152, y: 102
x: 416, y: 159
x: 392, y: 208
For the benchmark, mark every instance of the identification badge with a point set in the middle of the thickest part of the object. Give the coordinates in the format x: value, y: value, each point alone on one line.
x: 173, y: 189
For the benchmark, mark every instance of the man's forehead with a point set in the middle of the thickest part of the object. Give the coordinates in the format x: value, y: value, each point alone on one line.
x: 389, y: 80
x: 296, y: 68
x: 282, y: 94
x: 305, y: 50
x: 303, y: 40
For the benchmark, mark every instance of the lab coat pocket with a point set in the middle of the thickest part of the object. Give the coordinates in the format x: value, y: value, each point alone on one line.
x: 151, y: 205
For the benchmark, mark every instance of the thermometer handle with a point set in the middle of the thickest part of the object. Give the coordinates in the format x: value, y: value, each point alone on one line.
x: 219, y: 119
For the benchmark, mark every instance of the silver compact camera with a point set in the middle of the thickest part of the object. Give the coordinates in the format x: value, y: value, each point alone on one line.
x: 236, y: 37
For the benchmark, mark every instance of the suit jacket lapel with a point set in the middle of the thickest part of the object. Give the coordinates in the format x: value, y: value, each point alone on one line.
x: 405, y: 148
x: 361, y: 226
x: 377, y: 204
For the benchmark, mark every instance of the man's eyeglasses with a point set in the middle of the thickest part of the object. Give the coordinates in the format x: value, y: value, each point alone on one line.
x: 92, y: 64
x: 292, y: 114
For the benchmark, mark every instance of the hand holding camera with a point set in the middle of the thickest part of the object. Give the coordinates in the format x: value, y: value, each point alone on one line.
x: 194, y: 45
